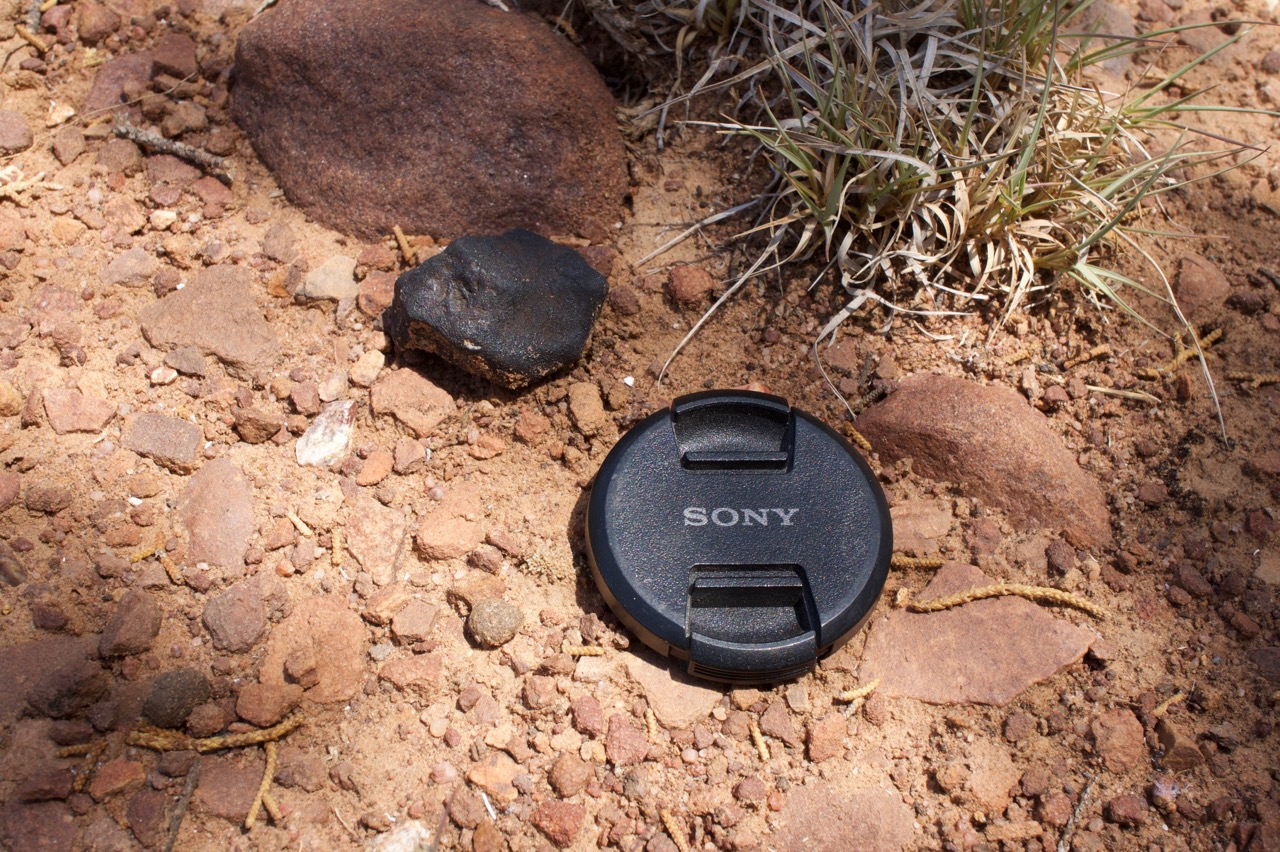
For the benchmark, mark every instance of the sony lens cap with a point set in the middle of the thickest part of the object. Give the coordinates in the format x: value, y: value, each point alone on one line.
x: 739, y: 534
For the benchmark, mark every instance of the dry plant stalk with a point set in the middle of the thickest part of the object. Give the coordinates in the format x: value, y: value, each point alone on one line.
x: 1043, y: 594
x: 860, y: 692
x: 32, y: 39
x: 267, y: 774
x: 651, y: 724
x: 87, y: 765
x: 1163, y: 707
x: 675, y: 830
x: 155, y: 142
x: 1255, y: 380
x: 583, y: 650
x: 857, y: 438
x: 302, y: 528
x: 159, y: 739
x: 1084, y: 357
x: 410, y: 256
x: 762, y: 747
x: 902, y: 561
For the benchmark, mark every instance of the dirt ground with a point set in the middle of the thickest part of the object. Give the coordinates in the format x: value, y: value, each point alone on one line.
x: 1161, y: 737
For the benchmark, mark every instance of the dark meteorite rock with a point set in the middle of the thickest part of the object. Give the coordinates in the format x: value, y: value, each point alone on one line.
x: 512, y: 309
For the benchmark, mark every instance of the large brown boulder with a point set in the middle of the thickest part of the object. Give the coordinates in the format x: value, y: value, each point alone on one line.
x: 446, y: 117
x: 988, y: 440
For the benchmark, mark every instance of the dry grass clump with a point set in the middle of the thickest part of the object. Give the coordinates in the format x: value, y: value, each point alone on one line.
x: 937, y: 154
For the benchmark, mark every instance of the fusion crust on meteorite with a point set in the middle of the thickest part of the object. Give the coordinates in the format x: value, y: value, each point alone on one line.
x: 512, y: 309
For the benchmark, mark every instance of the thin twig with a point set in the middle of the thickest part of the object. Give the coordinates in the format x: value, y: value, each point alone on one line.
x: 216, y: 166
x: 762, y: 747
x: 87, y: 766
x: 32, y: 39
x: 345, y: 824
x: 1138, y: 396
x: 1044, y: 594
x: 1064, y: 844
x: 1163, y: 707
x: 583, y: 650
x: 188, y: 790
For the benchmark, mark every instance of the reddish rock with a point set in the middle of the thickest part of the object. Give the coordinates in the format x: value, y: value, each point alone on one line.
x: 49, y: 785
x: 133, y: 627
x: 1180, y: 751
x: 331, y: 636
x: 96, y: 22
x: 415, y: 622
x: 677, y: 700
x: 1055, y: 810
x: 376, y: 468
x: 174, y: 54
x: 376, y: 293
x: 217, y: 314
x: 237, y: 617
x: 494, y: 775
x: 116, y: 776
x: 298, y: 769
x: 944, y: 425
x: 255, y: 426
x: 417, y: 676
x: 1200, y: 286
x: 570, y: 775
x: 226, y: 789
x: 170, y: 441
x: 413, y: 399
x: 588, y: 715
x: 374, y: 536
x: 625, y: 744
x: 826, y: 737
x: 10, y: 484
x: 821, y: 817
x: 1268, y: 662
x: 49, y: 499
x: 147, y: 819
x: 537, y: 143
x: 264, y: 704
x: 68, y: 689
x: 15, y: 133
x: 1118, y: 739
x: 113, y: 76
x: 751, y: 790
x: 216, y: 509
x: 40, y: 826
x: 946, y: 657
x: 559, y: 821
x: 777, y: 722
x: 1153, y: 493
x: 72, y: 411
x: 690, y: 285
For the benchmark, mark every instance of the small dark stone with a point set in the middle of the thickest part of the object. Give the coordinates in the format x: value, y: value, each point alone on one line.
x: 69, y: 689
x: 511, y: 309
x: 173, y: 696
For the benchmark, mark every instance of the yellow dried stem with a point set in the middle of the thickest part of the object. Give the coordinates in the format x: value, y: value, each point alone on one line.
x: 267, y: 774
x: 410, y: 256
x: 1163, y: 707
x: 1255, y: 380
x: 675, y: 830
x: 75, y: 750
x: 87, y: 766
x: 651, y: 724
x: 1044, y: 594
x: 31, y: 39
x: 158, y: 739
x: 1095, y: 352
x: 1019, y: 356
x: 298, y: 524
x: 583, y: 650
x: 901, y: 560
x: 175, y: 575
x: 861, y: 692
x: 856, y: 437
x: 273, y: 809
x: 762, y: 747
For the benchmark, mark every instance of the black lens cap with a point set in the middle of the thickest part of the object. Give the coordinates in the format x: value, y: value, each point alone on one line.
x: 738, y: 534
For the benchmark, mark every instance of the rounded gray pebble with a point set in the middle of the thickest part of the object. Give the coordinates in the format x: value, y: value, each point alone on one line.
x: 173, y: 696
x: 493, y: 623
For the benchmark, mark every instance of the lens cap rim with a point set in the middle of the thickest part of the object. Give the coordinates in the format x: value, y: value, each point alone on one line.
x: 625, y: 532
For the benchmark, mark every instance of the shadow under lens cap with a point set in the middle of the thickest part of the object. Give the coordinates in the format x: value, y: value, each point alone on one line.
x: 738, y: 534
